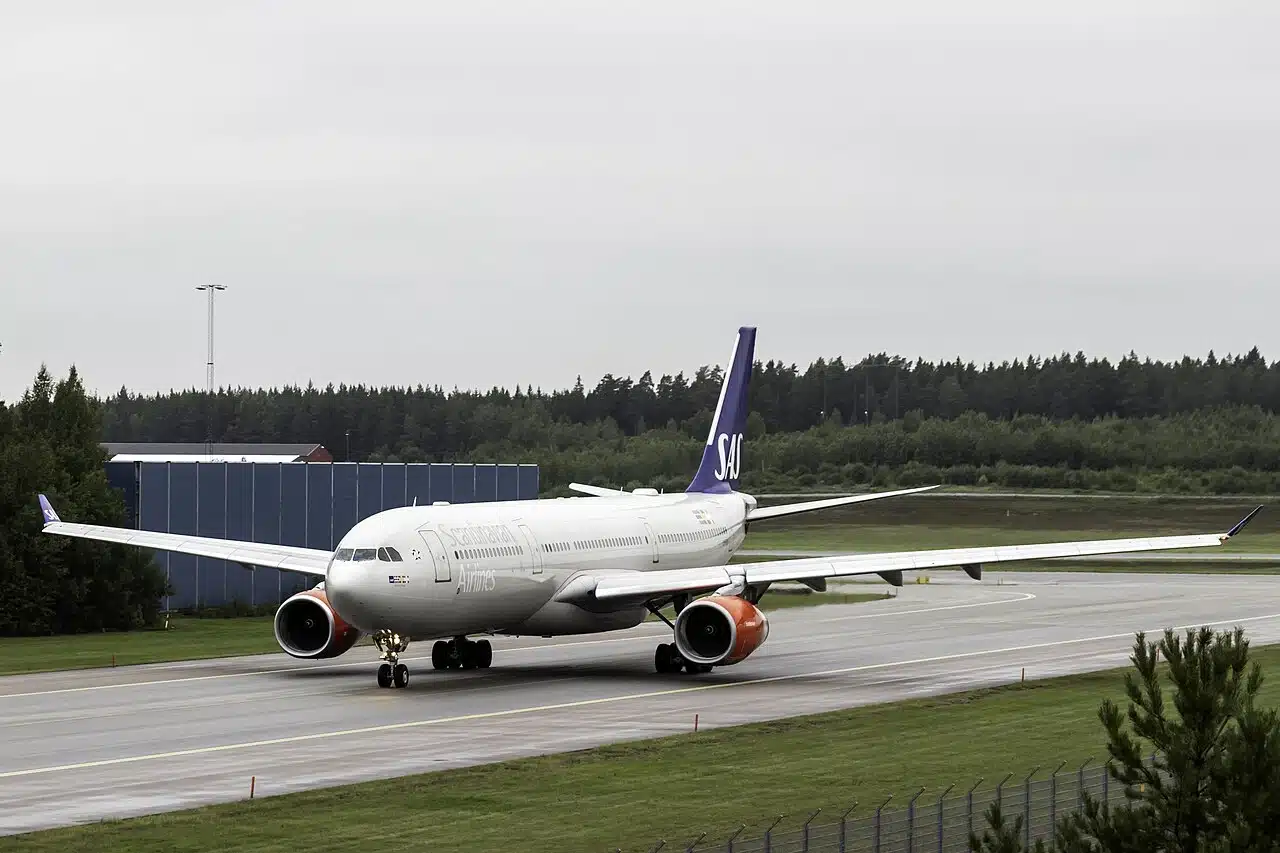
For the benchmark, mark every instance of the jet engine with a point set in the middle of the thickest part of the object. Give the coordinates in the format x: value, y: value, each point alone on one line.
x: 307, y: 626
x: 720, y: 630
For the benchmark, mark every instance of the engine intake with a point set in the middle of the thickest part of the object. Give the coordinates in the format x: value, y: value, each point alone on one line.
x: 720, y: 630
x: 307, y: 626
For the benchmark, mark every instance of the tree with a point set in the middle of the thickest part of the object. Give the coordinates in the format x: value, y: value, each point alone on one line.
x: 49, y: 442
x: 1201, y: 774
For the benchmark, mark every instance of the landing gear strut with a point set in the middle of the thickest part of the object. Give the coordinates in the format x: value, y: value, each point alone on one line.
x: 461, y: 653
x: 390, y: 646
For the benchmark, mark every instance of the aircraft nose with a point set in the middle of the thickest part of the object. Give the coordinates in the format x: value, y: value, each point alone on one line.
x: 342, y: 585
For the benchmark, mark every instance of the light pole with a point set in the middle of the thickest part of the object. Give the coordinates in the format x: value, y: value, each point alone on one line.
x: 211, y: 289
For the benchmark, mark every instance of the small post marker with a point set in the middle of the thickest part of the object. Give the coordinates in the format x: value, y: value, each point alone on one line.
x: 253, y: 783
x: 1024, y: 675
x: 113, y: 660
x: 695, y: 722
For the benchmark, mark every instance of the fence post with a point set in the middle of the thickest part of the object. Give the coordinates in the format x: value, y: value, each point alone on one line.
x: 1026, y: 808
x: 843, y: 817
x: 880, y: 808
x: 661, y: 844
x: 735, y: 835
x: 969, y: 802
x: 911, y: 822
x: 942, y: 797
x: 694, y: 843
x: 806, y: 829
x: 1053, y: 801
x: 1080, y: 782
x: 768, y: 834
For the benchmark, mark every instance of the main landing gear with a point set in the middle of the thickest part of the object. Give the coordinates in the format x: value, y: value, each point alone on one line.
x: 461, y: 653
x: 667, y: 658
x: 390, y: 646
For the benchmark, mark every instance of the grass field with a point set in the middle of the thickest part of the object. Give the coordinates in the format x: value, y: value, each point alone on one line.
x: 629, y: 795
x: 187, y: 639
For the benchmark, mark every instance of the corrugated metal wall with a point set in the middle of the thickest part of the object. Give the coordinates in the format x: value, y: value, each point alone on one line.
x: 308, y: 504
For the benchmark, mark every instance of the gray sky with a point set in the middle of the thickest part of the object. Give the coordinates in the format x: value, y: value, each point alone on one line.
x: 501, y: 192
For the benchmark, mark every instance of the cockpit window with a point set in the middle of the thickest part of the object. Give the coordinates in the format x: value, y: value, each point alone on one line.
x: 364, y: 554
x: 343, y: 554
x: 382, y: 555
x: 394, y: 554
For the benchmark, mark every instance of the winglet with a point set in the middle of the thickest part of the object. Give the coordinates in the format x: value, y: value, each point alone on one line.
x: 1242, y: 522
x: 46, y: 508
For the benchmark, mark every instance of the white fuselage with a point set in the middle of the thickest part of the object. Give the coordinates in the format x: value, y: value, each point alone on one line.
x: 494, y: 567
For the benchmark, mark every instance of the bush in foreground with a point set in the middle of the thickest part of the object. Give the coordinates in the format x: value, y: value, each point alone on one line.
x: 1214, y: 783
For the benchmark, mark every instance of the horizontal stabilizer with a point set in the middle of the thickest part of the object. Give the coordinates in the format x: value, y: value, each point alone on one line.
x: 765, y: 512
x: 597, y: 491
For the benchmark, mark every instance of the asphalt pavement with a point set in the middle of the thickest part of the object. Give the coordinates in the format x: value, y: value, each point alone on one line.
x: 93, y: 744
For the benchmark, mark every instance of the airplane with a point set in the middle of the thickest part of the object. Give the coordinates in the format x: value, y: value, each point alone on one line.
x: 582, y: 565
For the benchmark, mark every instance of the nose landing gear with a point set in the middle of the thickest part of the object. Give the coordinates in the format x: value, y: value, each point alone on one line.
x: 390, y: 646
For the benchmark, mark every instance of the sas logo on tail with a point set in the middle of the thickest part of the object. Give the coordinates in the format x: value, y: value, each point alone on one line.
x: 729, y: 449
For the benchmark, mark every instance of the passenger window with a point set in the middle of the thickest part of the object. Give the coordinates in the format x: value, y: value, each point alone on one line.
x: 344, y: 554
x: 365, y: 554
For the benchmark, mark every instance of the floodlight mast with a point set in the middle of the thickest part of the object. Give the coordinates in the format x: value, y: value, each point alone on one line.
x: 211, y: 289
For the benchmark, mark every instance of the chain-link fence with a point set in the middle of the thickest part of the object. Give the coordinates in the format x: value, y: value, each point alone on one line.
x: 932, y: 824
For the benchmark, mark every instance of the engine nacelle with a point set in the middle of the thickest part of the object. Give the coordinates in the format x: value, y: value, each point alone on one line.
x: 307, y: 626
x: 720, y: 630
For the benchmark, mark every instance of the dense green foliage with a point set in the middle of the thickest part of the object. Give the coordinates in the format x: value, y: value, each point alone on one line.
x: 1067, y: 423
x: 49, y: 443
x: 1214, y: 783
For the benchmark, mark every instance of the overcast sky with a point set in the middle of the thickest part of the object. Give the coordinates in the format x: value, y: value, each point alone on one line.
x: 502, y: 192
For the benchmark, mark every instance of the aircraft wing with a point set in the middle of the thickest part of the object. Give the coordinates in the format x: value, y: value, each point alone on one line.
x: 763, y: 512
x: 641, y: 586
x: 307, y: 561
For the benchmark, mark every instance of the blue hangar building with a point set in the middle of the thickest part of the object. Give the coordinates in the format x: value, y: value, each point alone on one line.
x: 284, y: 494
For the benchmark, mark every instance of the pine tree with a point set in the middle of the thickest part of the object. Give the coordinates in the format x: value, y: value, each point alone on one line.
x: 49, y: 443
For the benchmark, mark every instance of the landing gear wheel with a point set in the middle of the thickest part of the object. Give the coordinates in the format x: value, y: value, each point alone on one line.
x: 666, y: 658
x: 440, y: 655
x: 484, y: 654
x: 390, y: 646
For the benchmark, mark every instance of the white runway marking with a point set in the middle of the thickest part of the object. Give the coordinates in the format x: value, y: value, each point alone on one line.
x: 1023, y: 596
x: 315, y: 736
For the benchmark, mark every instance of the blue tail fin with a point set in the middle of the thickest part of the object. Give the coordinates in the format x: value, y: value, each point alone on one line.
x: 722, y: 457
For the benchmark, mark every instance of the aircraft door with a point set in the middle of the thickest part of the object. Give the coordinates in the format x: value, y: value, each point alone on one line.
x: 438, y: 554
x: 534, y: 550
x: 653, y: 540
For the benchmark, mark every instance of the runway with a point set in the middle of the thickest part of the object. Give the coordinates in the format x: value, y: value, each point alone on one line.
x: 96, y: 744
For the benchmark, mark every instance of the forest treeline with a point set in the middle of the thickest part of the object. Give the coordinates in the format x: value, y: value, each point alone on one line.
x: 1065, y: 422
x: 53, y: 584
